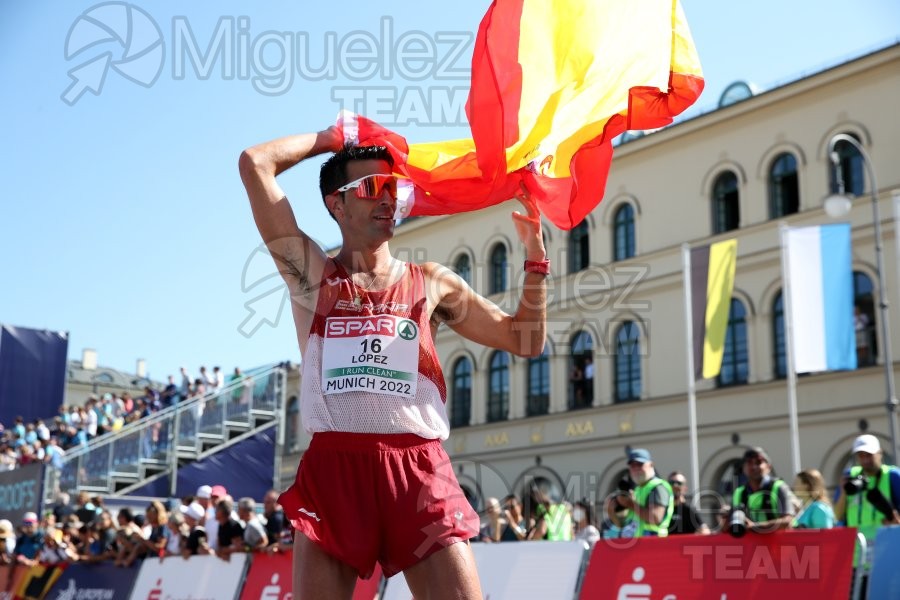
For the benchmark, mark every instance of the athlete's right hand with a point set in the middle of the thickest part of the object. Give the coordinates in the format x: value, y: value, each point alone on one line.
x: 333, y: 138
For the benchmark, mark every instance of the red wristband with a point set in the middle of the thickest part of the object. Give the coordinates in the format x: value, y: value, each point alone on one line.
x: 541, y: 267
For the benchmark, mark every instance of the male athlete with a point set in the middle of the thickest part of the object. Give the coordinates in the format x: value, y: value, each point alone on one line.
x: 375, y: 484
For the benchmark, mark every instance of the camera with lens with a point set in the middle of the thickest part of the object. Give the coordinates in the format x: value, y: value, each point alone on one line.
x: 625, y: 484
x: 855, y: 485
x: 737, y: 522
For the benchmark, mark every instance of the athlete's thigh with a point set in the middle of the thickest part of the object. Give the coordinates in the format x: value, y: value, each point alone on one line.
x: 448, y: 574
x: 318, y: 574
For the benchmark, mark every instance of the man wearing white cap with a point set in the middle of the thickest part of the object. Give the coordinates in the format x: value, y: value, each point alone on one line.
x: 204, y: 499
x: 197, y: 541
x: 871, y: 496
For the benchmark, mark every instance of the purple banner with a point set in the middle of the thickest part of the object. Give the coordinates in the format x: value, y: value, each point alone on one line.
x: 32, y: 373
x: 94, y: 582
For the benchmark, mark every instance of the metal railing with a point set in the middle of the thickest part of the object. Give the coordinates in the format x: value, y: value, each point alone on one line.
x: 183, y: 432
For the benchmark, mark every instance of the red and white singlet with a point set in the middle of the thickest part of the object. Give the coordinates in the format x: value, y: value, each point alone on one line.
x: 370, y: 364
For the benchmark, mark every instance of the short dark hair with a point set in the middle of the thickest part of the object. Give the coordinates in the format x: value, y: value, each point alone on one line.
x: 512, y: 498
x: 225, y: 506
x: 333, y: 173
x: 756, y: 452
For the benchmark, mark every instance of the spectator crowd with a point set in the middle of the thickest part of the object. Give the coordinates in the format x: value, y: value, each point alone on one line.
x: 209, y: 522
x: 645, y: 504
x: 47, y: 440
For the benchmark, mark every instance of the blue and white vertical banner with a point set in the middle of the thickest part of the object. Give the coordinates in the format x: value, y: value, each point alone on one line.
x: 820, y: 270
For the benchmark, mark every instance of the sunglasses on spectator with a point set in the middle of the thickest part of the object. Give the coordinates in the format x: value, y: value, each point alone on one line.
x: 676, y: 482
x: 371, y: 187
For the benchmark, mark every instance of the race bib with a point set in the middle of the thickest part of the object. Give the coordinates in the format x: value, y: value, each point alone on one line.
x: 371, y: 354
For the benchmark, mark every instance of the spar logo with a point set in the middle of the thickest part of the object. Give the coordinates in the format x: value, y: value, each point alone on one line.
x: 360, y: 326
x: 407, y: 330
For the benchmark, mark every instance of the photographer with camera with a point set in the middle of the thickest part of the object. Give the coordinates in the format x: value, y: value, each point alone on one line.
x: 870, y: 497
x: 764, y: 503
x: 650, y: 502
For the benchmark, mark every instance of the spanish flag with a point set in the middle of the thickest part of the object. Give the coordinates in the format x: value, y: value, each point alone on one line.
x: 712, y: 282
x: 553, y: 83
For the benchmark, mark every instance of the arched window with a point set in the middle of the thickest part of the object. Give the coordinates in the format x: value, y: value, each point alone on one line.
x: 779, y: 358
x: 614, y: 481
x: 736, y: 359
x: 537, y: 485
x: 103, y: 377
x: 726, y: 206
x: 864, y: 319
x: 731, y: 477
x: 498, y: 269
x: 851, y: 166
x: 579, y: 247
x: 498, y: 388
x: 461, y: 405
x: 784, y: 189
x: 581, y: 370
x: 471, y: 496
x: 463, y: 268
x: 623, y: 236
x: 539, y: 384
x: 628, y: 363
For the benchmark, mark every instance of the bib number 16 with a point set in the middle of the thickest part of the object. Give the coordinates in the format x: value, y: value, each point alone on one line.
x: 373, y: 346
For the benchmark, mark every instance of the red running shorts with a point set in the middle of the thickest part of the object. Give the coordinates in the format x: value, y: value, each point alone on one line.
x: 366, y: 497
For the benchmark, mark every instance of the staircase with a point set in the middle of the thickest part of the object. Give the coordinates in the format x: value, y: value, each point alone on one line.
x: 158, y: 445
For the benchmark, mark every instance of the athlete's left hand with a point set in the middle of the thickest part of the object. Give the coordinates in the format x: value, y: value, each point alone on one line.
x: 528, y: 225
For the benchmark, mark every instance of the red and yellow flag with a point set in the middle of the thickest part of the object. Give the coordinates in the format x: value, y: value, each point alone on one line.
x: 552, y: 84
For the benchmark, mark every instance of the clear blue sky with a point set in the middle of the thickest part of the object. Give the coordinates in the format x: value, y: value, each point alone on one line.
x: 123, y: 217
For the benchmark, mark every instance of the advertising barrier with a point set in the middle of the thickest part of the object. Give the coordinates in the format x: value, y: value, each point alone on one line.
x: 546, y: 570
x: 20, y: 491
x: 791, y: 564
x: 175, y: 578
x: 884, y: 579
x: 94, y: 582
x: 269, y: 578
x: 33, y: 583
x: 10, y: 578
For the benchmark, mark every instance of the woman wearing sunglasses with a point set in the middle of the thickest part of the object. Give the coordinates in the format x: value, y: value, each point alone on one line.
x: 375, y: 484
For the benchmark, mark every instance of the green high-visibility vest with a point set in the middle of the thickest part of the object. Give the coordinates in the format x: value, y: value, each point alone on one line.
x: 861, y: 513
x: 762, y: 504
x: 559, y: 523
x: 642, y: 497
